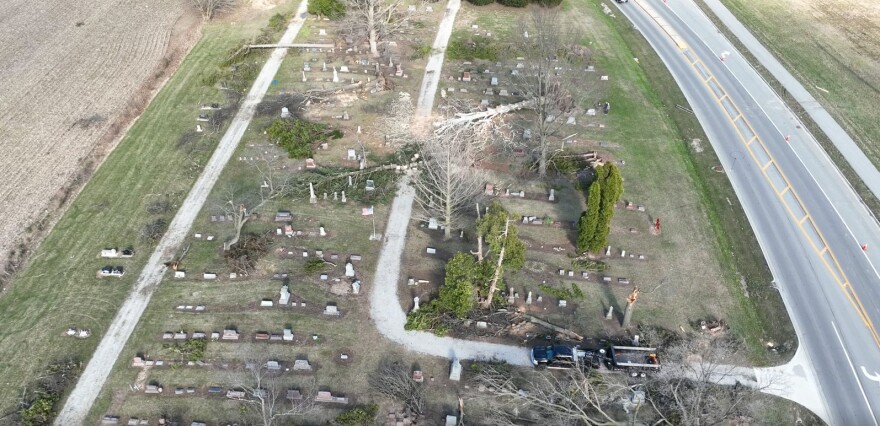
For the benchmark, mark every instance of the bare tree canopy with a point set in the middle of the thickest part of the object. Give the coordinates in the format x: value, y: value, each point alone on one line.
x: 549, y: 81
x: 209, y: 8
x: 570, y: 397
x: 240, y: 203
x: 265, y: 392
x: 395, y: 381
x: 699, y: 385
x: 450, y: 177
x: 376, y: 20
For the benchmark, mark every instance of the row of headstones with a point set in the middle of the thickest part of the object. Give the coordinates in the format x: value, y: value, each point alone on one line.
x: 623, y: 254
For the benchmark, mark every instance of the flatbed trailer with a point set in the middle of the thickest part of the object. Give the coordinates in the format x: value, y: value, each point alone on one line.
x: 634, y: 357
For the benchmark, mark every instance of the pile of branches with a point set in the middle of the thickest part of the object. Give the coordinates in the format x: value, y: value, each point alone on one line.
x: 242, y: 257
x: 395, y: 381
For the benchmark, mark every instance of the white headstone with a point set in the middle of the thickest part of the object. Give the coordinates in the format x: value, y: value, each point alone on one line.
x: 349, y: 269
x: 343, y: 197
x: 415, y: 304
x: 455, y: 371
x: 321, y: 230
x: 335, y: 76
x: 610, y: 312
x: 323, y: 66
x: 304, y: 77
x: 552, y: 195
x: 529, y: 299
x: 608, y: 251
x: 433, y: 223
x: 312, y: 198
x: 285, y: 296
x: 356, y: 287
x: 322, y: 32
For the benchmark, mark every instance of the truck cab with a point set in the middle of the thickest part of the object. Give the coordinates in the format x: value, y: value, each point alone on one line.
x: 555, y: 356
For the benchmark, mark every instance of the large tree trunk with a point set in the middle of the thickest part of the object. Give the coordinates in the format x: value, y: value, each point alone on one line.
x: 542, y: 162
x: 627, y: 314
x: 238, y: 227
x: 374, y: 36
x: 493, y: 287
x: 479, y: 252
x: 447, y: 205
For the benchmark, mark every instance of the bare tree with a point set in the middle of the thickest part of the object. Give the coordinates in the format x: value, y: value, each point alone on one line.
x: 209, y: 8
x: 699, y: 385
x: 395, y: 381
x: 570, y: 397
x: 548, y: 82
x: 376, y: 20
x: 450, y: 178
x: 275, y: 182
x: 265, y: 392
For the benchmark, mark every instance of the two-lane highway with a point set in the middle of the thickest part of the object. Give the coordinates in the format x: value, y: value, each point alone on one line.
x: 809, y: 222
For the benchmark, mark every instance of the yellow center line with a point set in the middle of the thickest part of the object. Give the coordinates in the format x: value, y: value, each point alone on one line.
x: 803, y: 223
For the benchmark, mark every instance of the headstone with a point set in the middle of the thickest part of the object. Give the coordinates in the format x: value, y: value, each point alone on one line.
x: 325, y: 196
x: 571, y: 120
x: 563, y: 303
x: 443, y: 93
x: 415, y: 304
x: 608, y: 316
x: 455, y: 371
x: 349, y: 183
x: 529, y: 299
x: 324, y: 66
x: 331, y: 310
x: 356, y: 287
x: 335, y: 196
x: 310, y: 163
x: 370, y: 185
x: 304, y: 79
x: 527, y: 134
x: 433, y: 224
x: 284, y: 297
x: 321, y: 230
x: 312, y: 198
x: 288, y: 335
x: 494, y: 81
x: 431, y: 250
x: 301, y: 365
x: 591, y: 111
x: 345, y: 116
x: 335, y: 76
x: 306, y: 67
x: 322, y: 32
x: 352, y: 155
x: 199, y: 128
x: 349, y: 269
x: 604, y: 78
x: 540, y: 299
x: 608, y: 251
x: 552, y: 195
x: 482, y: 324
x: 343, y: 196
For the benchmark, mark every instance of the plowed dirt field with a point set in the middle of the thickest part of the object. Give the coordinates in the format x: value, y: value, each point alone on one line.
x: 73, y: 76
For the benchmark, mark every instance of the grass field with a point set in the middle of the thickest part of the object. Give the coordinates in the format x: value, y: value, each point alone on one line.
x: 60, y: 289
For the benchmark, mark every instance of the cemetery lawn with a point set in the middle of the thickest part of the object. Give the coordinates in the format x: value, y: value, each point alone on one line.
x: 705, y: 265
x: 59, y: 288
x: 235, y: 303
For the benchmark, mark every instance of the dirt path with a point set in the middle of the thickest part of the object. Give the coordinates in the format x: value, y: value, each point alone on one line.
x: 98, y: 369
x: 389, y: 317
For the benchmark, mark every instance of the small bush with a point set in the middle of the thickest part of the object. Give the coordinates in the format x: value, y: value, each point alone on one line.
x: 191, y: 350
x: 278, y: 22
x: 153, y: 230
x: 475, y: 47
x: 514, y: 3
x: 421, y: 52
x: 360, y: 416
x: 315, y: 265
x: 563, y: 293
x: 481, y: 2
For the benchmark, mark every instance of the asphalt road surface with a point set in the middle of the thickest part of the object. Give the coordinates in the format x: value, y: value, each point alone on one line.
x: 809, y: 222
